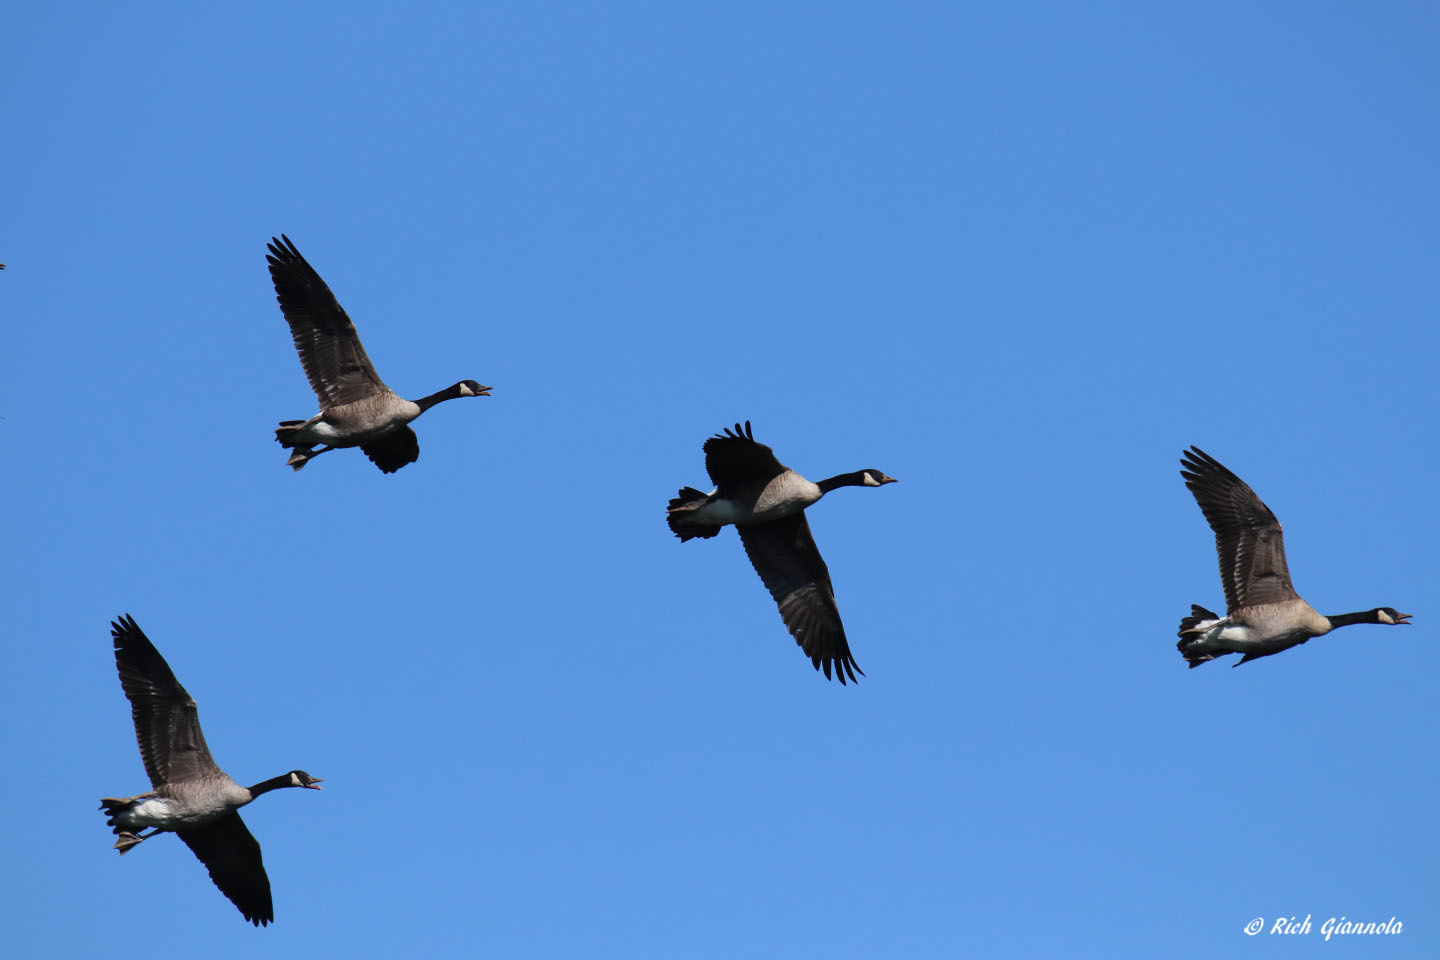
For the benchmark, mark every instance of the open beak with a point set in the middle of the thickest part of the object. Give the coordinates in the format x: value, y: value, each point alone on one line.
x: 311, y: 784
x: 1402, y: 619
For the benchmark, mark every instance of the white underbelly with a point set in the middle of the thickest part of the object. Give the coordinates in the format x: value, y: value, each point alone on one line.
x: 1233, y: 637
x: 317, y: 432
x: 153, y: 812
x: 717, y: 512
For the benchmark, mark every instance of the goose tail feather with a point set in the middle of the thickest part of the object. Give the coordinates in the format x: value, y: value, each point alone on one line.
x: 677, y: 515
x: 1192, y: 630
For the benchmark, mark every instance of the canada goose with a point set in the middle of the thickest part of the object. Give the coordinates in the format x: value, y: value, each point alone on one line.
x: 356, y: 408
x: 766, y: 501
x: 1263, y: 613
x: 192, y: 797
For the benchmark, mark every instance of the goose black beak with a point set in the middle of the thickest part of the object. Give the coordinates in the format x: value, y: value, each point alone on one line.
x: 1402, y: 619
x: 311, y: 784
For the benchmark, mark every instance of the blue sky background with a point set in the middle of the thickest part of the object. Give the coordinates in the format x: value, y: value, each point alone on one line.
x: 1018, y: 255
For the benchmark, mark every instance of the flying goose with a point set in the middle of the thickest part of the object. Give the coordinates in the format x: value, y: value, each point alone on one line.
x: 356, y: 408
x: 1263, y: 613
x: 766, y: 501
x: 192, y: 797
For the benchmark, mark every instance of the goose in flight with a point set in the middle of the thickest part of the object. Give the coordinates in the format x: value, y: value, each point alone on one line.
x: 190, y: 796
x: 1263, y: 613
x: 356, y: 408
x: 766, y: 502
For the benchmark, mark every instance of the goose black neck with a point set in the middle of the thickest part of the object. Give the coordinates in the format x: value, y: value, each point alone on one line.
x: 1345, y: 619
x: 274, y: 783
x: 856, y: 479
x: 449, y: 393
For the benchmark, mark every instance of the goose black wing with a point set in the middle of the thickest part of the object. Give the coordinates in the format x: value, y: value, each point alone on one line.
x: 783, y: 552
x: 1248, y: 537
x: 167, y: 724
x: 330, y: 350
x: 394, y: 450
x: 232, y: 855
x: 733, y: 457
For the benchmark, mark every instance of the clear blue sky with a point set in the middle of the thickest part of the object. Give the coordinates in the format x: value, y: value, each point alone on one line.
x: 1017, y: 255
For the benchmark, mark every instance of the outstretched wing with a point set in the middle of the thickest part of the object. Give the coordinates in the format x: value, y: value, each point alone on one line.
x: 734, y: 457
x: 232, y: 855
x: 335, y: 361
x: 167, y: 724
x: 1248, y: 538
x: 783, y: 552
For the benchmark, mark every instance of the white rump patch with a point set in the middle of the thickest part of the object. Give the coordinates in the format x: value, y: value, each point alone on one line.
x: 718, y: 512
x: 318, y: 432
x: 153, y: 812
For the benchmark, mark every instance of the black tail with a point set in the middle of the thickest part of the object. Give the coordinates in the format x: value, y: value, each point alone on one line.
x: 284, y: 431
x: 1190, y: 635
x: 113, y: 807
x: 687, y: 497
x: 676, y: 515
x: 285, y: 436
x: 1197, y: 614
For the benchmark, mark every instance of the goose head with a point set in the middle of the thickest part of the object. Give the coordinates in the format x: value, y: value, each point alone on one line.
x: 299, y: 778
